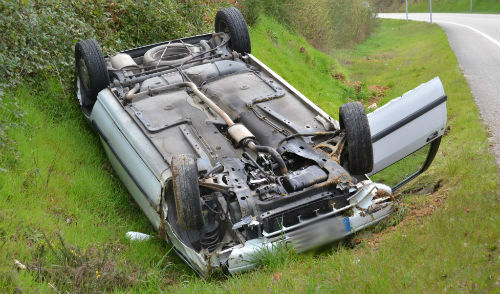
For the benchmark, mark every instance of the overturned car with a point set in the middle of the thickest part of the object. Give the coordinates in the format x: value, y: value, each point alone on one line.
x: 226, y: 158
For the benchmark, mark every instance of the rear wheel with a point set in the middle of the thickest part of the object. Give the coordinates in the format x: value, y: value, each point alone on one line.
x: 92, y: 74
x: 186, y: 192
x: 231, y: 21
x: 357, y: 155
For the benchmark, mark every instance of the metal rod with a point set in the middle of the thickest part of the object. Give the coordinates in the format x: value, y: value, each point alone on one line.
x: 470, y: 6
x: 406, y: 10
x: 307, y: 135
x: 430, y: 6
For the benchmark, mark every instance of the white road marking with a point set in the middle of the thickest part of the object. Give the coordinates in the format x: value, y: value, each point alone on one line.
x: 450, y: 22
x: 473, y: 29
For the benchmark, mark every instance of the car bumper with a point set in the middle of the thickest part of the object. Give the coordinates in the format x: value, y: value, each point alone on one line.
x: 365, y: 209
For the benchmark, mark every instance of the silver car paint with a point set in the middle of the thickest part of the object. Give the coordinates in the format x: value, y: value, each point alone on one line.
x: 416, y: 133
x: 129, y: 164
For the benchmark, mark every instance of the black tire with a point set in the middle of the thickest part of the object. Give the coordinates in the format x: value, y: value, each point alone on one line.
x: 231, y: 21
x: 357, y: 155
x: 186, y: 192
x: 92, y: 73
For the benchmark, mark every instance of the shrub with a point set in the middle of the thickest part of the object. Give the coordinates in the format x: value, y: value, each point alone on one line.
x: 39, y: 36
x: 326, y: 24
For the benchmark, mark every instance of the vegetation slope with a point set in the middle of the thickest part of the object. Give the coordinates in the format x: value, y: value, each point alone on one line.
x: 443, y: 236
x: 64, y: 213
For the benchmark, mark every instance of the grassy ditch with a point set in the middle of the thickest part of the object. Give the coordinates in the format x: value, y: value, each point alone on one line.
x: 445, y: 236
x: 64, y: 213
x: 478, y: 6
x: 324, y: 23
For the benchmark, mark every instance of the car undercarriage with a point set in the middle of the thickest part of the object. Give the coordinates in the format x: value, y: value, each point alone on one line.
x: 223, y: 155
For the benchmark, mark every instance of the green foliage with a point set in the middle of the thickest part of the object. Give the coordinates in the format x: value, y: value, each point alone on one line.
x: 308, y: 69
x: 278, y: 9
x: 331, y: 24
x: 39, y: 36
x: 326, y: 24
x: 11, y: 116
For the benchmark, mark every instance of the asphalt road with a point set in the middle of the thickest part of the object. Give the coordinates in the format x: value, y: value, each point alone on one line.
x: 475, y: 38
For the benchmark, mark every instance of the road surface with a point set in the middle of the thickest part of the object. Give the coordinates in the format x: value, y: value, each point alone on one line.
x: 475, y: 38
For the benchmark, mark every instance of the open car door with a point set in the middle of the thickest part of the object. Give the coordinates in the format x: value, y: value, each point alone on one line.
x: 406, y: 125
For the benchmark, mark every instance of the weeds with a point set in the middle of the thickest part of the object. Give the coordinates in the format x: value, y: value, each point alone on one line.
x: 399, y: 213
x: 11, y: 116
x: 76, y: 270
x: 326, y: 24
x: 274, y: 255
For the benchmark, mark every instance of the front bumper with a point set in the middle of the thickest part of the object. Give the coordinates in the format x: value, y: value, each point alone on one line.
x: 365, y: 209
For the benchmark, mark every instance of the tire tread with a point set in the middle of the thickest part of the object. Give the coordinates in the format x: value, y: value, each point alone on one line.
x: 240, y: 38
x: 359, y: 146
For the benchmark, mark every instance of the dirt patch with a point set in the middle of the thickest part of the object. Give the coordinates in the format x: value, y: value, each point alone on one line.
x: 416, y: 212
x: 420, y: 210
x: 376, y: 92
x: 357, y: 85
x: 381, y: 194
x: 338, y: 76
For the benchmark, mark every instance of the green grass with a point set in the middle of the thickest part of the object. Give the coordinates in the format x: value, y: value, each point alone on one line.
x: 61, y: 176
x: 60, y: 172
x: 478, y: 6
x: 298, y: 62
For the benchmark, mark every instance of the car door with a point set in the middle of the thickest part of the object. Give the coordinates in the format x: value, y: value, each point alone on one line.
x: 407, y: 124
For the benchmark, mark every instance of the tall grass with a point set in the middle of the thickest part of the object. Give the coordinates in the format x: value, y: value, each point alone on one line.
x: 326, y: 24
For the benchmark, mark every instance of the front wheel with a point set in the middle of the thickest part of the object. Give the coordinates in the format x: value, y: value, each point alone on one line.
x: 357, y: 155
x: 186, y: 192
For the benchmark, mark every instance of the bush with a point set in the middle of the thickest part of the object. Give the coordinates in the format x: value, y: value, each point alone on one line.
x: 278, y: 9
x: 326, y: 24
x: 38, y: 37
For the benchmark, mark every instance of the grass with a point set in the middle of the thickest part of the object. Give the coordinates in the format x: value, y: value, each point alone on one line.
x: 62, y: 183
x: 461, y: 6
x: 447, y: 239
x: 296, y: 61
